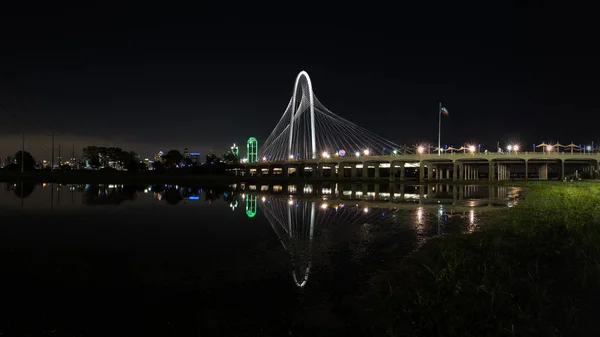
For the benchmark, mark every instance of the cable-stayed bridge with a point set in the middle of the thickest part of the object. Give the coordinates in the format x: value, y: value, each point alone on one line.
x: 310, y: 140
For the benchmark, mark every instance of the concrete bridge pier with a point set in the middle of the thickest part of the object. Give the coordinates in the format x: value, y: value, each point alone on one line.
x: 448, y: 174
x: 429, y: 171
x: 376, y: 169
x: 421, y: 171
x: 543, y: 172
x: 526, y: 170
x: 454, y: 171
x: 353, y: 171
x: 491, y: 171
x: 402, y: 171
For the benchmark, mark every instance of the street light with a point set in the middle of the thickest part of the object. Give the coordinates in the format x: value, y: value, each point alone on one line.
x: 366, y: 152
x: 516, y: 148
x: 357, y: 154
x: 325, y: 154
x: 420, y: 150
x: 549, y: 148
x: 395, y: 151
x: 472, y: 148
x: 588, y: 148
x: 509, y: 148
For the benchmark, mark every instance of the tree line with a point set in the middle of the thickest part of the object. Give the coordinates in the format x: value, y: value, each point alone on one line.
x: 101, y: 157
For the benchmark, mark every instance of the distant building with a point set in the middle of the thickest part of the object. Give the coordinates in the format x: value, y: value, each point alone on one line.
x: 186, y: 153
x: 8, y: 160
x: 158, y: 156
x: 195, y: 157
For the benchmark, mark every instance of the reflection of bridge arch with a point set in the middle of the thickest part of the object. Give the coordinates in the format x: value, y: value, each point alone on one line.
x: 294, y: 222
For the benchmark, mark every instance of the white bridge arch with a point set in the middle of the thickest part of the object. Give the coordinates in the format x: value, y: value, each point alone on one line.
x: 307, y: 130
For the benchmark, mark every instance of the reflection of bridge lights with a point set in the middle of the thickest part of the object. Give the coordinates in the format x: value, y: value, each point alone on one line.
x: 366, y: 210
x: 420, y: 215
x: 263, y: 199
x: 366, y: 152
x: 290, y: 202
x: 357, y: 154
x: 420, y: 150
x: 471, y: 228
x: 146, y: 191
x: 324, y: 205
x: 291, y: 156
x: 243, y: 196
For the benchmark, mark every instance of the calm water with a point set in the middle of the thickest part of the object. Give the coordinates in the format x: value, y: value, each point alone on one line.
x: 114, y: 260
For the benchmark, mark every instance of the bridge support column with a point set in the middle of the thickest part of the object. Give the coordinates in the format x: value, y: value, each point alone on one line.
x: 353, y: 171
x: 476, y: 172
x: 448, y: 174
x: 429, y: 171
x: 491, y: 172
x: 285, y: 171
x: 543, y: 172
x: 526, y: 170
x: 402, y: 171
x: 454, y: 171
x: 562, y: 170
x: 421, y: 171
x: 376, y: 169
x: 392, y: 175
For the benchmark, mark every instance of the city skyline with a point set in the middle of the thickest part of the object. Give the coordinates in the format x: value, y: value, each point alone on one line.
x: 205, y: 77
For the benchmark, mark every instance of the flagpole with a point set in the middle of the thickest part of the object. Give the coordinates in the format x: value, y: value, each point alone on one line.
x: 440, y: 130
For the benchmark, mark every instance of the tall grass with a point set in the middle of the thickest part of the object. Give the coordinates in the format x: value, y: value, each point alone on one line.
x: 534, y: 270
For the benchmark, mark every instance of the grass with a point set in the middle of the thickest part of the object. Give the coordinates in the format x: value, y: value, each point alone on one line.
x: 533, y: 271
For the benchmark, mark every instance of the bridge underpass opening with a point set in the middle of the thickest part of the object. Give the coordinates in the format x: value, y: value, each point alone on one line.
x: 545, y: 169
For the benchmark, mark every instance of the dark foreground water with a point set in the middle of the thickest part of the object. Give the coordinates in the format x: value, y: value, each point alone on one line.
x: 113, y: 260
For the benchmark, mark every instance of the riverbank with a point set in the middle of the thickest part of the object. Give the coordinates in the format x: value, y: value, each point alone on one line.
x: 534, y: 270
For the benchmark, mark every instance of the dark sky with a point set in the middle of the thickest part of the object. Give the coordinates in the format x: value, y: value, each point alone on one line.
x: 151, y: 76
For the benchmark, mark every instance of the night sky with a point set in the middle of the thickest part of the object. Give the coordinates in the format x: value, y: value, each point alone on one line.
x: 155, y: 75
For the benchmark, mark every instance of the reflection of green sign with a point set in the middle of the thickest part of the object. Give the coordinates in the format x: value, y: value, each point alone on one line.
x: 252, y: 150
x: 251, y: 206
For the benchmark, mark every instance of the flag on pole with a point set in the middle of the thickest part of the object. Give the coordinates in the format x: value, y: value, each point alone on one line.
x: 444, y: 111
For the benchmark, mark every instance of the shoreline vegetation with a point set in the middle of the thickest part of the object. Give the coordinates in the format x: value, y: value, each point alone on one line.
x: 533, y: 270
